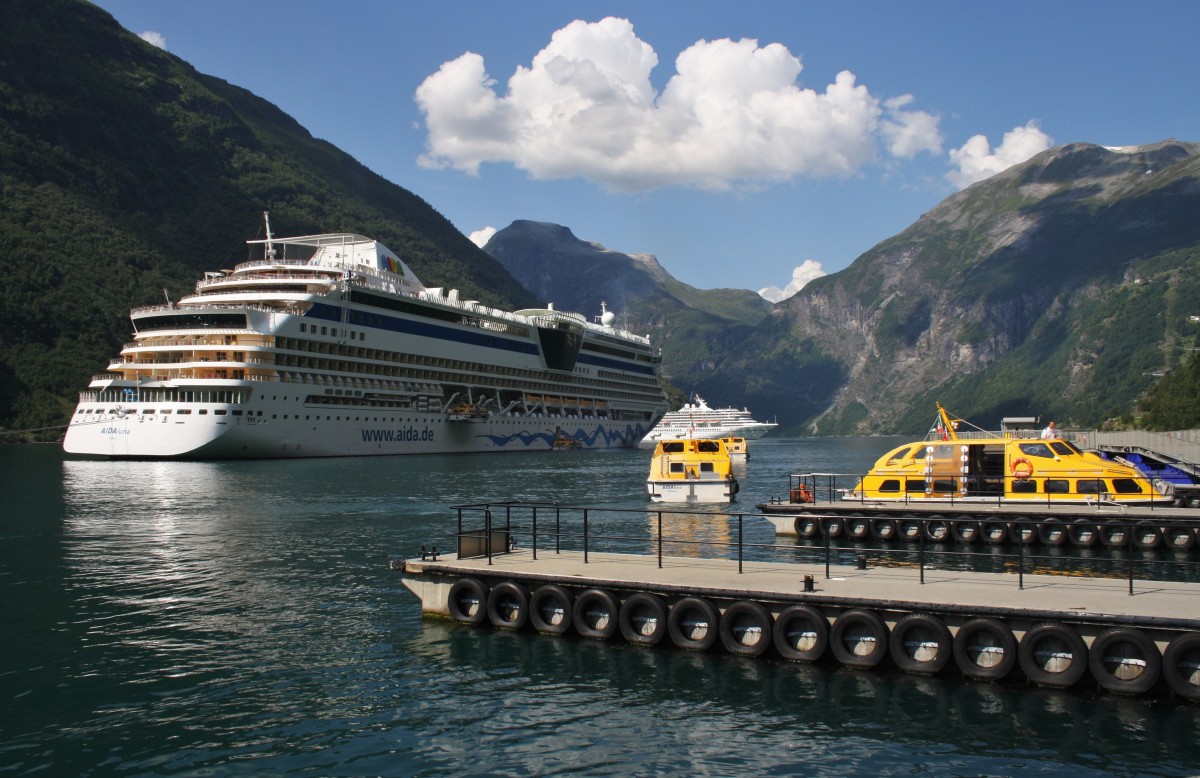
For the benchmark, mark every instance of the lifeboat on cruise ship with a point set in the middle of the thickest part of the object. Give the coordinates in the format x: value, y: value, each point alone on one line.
x: 957, y: 463
x: 691, y: 470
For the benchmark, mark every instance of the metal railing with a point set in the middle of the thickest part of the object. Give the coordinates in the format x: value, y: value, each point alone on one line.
x: 495, y: 528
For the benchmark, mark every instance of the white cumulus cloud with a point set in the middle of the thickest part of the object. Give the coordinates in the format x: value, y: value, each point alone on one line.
x: 481, y: 237
x: 801, y: 275
x: 976, y: 160
x: 732, y: 112
x: 154, y: 39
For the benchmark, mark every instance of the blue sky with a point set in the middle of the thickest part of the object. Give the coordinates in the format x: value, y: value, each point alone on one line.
x: 744, y: 144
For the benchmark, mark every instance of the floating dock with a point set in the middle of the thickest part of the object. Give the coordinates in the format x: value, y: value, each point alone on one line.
x: 557, y: 574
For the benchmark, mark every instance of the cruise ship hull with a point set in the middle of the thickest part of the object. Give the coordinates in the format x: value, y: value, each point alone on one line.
x: 136, y: 436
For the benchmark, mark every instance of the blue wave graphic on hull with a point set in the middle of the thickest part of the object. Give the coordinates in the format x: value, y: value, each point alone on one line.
x: 628, y: 437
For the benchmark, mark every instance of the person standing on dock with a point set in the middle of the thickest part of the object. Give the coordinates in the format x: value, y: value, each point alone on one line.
x: 1049, y: 432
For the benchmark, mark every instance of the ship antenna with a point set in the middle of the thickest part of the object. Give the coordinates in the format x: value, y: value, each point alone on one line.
x: 270, y: 245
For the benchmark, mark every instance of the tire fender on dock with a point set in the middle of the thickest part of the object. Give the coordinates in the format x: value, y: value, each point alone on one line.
x: 909, y: 528
x: 807, y: 526
x: 985, y: 649
x: 1125, y: 661
x: 746, y: 628
x: 833, y: 527
x: 936, y: 529
x: 1181, y: 665
x: 965, y: 529
x: 858, y: 526
x: 595, y: 614
x: 995, y: 533
x: 550, y: 610
x: 467, y: 601
x: 1053, y: 654
x: 1052, y: 533
x: 1147, y: 534
x: 508, y: 605
x: 643, y: 619
x: 1084, y: 533
x: 859, y: 638
x: 1179, y: 538
x: 921, y: 644
x: 801, y: 633
x: 1114, y: 533
x: 884, y: 529
x: 693, y: 624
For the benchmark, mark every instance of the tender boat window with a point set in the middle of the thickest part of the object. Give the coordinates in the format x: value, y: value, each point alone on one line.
x: 914, y: 485
x: 674, y: 447
x: 1024, y: 487
x: 706, y: 467
x: 1062, y: 449
x: 899, y: 455
x: 1127, y: 486
x: 1090, y: 486
x: 676, y: 467
x: 1036, y: 450
x: 890, y: 485
x: 1056, y: 486
x: 708, y: 446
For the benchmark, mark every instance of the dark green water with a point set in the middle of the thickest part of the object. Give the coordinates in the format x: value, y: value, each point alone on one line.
x: 240, y: 618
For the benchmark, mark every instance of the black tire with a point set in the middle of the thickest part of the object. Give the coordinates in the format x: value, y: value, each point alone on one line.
x: 643, y: 619
x: 550, y: 610
x: 595, y: 614
x: 832, y: 527
x: 908, y: 529
x: 1146, y: 534
x: 966, y: 530
x: 1084, y: 533
x: 985, y: 649
x: 883, y: 530
x: 1023, y: 531
x: 858, y: 526
x: 1181, y: 665
x: 745, y: 628
x: 994, y: 533
x: 921, y: 644
x: 1179, y: 538
x: 801, y: 633
x: 1053, y: 654
x: 508, y: 605
x: 467, y: 601
x: 936, y: 530
x: 807, y: 527
x: 694, y: 624
x: 1125, y: 661
x: 1115, y: 533
x: 859, y: 638
x: 1052, y: 533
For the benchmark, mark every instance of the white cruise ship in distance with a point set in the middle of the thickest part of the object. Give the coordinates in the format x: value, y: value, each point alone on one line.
x: 696, y: 420
x: 329, y: 345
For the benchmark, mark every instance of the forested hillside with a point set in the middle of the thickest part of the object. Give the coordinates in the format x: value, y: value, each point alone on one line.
x: 124, y: 173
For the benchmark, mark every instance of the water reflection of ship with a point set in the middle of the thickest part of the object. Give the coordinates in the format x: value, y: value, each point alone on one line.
x: 693, y: 535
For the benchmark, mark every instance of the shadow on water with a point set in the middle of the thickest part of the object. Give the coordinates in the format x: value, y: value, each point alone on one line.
x: 767, y: 716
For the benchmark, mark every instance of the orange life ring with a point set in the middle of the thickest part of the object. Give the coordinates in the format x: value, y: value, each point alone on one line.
x: 1021, y: 469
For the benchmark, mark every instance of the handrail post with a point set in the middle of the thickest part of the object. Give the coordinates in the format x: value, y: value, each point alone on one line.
x: 533, y: 532
x: 487, y: 533
x: 1020, y: 560
x: 921, y: 548
x: 585, y: 536
x: 825, y: 532
x: 660, y: 539
x: 739, y: 544
x: 557, y: 530
x: 1129, y: 555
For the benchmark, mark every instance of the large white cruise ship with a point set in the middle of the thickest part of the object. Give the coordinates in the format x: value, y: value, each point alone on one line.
x: 329, y: 345
x: 696, y: 420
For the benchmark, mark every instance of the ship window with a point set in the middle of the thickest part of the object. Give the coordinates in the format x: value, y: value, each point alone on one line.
x: 203, y: 411
x: 324, y: 330
x: 890, y: 485
x: 898, y: 456
x: 1062, y: 449
x: 1089, y: 486
x: 1127, y: 486
x: 303, y: 327
x: 1056, y: 486
x: 165, y: 410
x: 708, y: 447
x: 706, y: 467
x: 220, y: 412
x: 148, y: 411
x: 676, y: 467
x: 674, y: 447
x: 1036, y: 450
x: 914, y: 485
x: 237, y: 413
x: 185, y: 411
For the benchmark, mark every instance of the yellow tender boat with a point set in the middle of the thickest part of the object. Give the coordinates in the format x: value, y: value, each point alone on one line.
x: 954, y: 463
x: 739, y: 450
x: 691, y: 470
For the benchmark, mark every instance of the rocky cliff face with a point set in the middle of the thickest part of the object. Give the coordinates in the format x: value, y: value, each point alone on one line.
x: 1057, y: 287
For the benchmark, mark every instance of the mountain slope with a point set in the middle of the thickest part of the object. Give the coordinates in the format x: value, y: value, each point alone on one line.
x: 695, y: 328
x: 124, y: 173
x: 1059, y: 287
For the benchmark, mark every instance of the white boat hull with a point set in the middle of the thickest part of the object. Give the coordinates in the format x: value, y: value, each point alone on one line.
x: 691, y: 490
